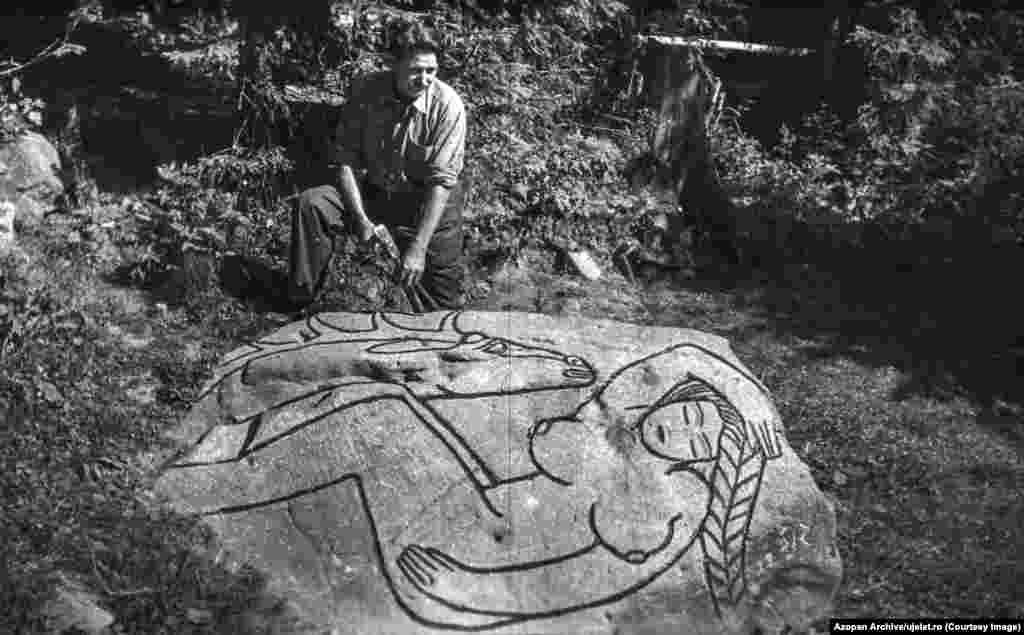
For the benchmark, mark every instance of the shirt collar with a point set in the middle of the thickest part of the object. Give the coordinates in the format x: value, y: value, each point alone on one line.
x: 420, y: 103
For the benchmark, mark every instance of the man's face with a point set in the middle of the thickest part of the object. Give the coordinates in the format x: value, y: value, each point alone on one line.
x: 414, y: 74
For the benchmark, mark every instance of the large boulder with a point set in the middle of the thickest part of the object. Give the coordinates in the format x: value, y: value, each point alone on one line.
x: 29, y: 175
x: 511, y: 472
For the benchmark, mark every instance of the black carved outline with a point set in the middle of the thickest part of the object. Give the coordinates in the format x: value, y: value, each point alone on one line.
x: 736, y: 431
x: 260, y: 349
x: 480, y: 474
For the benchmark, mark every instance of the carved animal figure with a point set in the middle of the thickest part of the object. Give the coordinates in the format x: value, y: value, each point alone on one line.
x: 436, y: 361
x: 430, y: 358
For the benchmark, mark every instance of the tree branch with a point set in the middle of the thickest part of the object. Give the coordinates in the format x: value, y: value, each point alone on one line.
x: 57, y: 48
x: 724, y: 45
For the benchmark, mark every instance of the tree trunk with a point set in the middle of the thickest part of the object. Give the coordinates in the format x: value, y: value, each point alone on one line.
x: 678, y: 141
x: 837, y: 27
x: 263, y: 118
x: 681, y: 151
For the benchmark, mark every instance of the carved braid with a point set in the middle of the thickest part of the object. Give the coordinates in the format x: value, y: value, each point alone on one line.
x: 735, y: 481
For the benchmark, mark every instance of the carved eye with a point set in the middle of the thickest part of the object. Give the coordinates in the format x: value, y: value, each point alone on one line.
x: 473, y: 338
x: 497, y: 347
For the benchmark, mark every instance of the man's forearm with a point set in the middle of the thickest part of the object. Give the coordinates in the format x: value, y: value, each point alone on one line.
x: 352, y: 197
x: 433, y: 208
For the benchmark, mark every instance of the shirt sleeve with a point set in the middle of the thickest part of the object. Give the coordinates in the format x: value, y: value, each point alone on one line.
x: 446, y: 160
x: 348, y: 141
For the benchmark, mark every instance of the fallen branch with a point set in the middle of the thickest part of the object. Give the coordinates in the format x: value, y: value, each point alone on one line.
x: 724, y: 45
x: 600, y: 129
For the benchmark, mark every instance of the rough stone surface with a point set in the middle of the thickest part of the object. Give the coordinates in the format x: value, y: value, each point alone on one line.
x: 29, y: 175
x: 509, y: 473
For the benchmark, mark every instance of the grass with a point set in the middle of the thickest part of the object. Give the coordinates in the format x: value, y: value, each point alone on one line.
x: 894, y: 386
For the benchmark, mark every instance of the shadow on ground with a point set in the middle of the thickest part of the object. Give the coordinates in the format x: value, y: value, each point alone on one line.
x: 943, y: 314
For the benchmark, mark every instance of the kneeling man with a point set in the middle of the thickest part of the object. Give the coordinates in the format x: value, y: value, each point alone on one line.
x: 401, y: 142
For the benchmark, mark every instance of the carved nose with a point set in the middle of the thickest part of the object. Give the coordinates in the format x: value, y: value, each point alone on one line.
x: 578, y: 369
x: 582, y: 374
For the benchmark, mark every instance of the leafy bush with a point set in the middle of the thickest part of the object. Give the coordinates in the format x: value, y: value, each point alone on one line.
x: 937, y: 143
x: 38, y: 295
x: 702, y: 18
x: 939, y: 137
x: 254, y: 176
x: 226, y: 201
x: 18, y: 113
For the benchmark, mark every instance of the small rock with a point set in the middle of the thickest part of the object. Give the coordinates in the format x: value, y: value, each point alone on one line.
x: 857, y: 472
x: 192, y: 351
x: 839, y: 478
x: 74, y: 607
x: 72, y: 321
x: 520, y: 192
x: 132, y: 341
x: 571, y: 306
x: 143, y: 394
x: 50, y: 392
x: 1003, y: 408
x: 7, y: 210
x: 198, y: 616
x: 585, y: 264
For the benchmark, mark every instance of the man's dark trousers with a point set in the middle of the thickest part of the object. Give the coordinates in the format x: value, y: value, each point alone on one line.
x: 321, y: 215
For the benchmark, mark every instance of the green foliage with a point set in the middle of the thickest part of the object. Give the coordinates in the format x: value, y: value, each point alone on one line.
x: 936, y: 143
x: 906, y: 52
x: 25, y: 305
x: 571, y: 196
x: 252, y: 175
x: 18, y: 112
x: 937, y: 137
x: 224, y: 202
x: 800, y: 188
x: 701, y: 18
x: 216, y: 61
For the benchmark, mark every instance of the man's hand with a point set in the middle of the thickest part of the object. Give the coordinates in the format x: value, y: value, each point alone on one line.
x: 412, y: 265
x: 365, y: 229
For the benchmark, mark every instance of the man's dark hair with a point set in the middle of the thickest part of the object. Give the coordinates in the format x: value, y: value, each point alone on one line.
x: 410, y: 37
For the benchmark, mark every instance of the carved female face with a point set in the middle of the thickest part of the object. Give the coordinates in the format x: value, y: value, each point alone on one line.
x: 684, y: 431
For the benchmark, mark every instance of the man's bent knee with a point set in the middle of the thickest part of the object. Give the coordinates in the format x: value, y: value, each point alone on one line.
x: 317, y: 196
